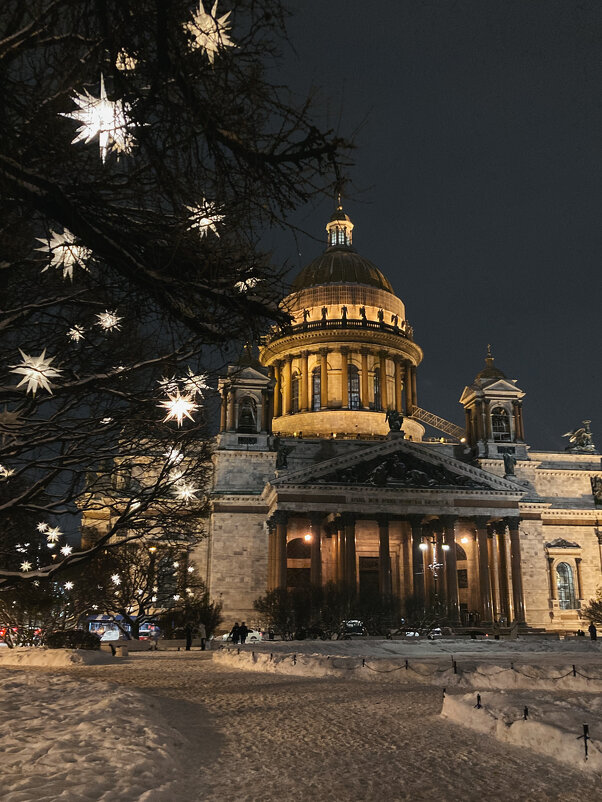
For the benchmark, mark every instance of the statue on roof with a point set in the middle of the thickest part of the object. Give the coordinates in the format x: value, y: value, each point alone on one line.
x: 394, y: 419
x: 581, y: 440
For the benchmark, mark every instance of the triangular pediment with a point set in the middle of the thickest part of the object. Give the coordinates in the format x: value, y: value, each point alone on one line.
x: 399, y: 464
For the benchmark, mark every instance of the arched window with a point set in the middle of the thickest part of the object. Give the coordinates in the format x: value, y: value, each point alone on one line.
x: 247, y: 415
x: 354, y: 387
x: 565, y: 586
x: 500, y: 424
x: 298, y: 548
x: 295, y: 392
x: 377, y: 401
x: 460, y: 553
x: 316, y: 387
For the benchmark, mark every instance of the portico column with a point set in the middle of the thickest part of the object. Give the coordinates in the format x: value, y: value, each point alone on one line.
x: 287, y: 385
x: 515, y: 565
x: 505, y: 604
x: 280, y: 563
x: 492, y: 557
x: 408, y: 386
x: 384, y: 557
x: 350, y: 557
x: 271, y: 554
x: 553, y: 591
x: 579, y: 582
x: 414, y: 391
x: 323, y: 378
x: 484, y: 583
x: 345, y: 377
x: 451, y: 567
x: 277, y: 390
x: 365, y: 397
x: 304, y: 382
x: 341, y: 550
x: 398, y: 386
x: 383, y: 380
x: 315, y: 571
x: 417, y: 559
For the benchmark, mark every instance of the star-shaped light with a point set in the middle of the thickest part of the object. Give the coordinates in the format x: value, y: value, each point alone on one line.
x: 189, y: 591
x: 107, y: 119
x: 52, y: 535
x: 105, y: 421
x: 125, y: 62
x: 68, y: 585
x: 168, y: 385
x: 178, y: 407
x: 209, y: 31
x: 76, y: 333
x: 174, y: 456
x: 176, y: 596
x: 66, y: 550
x: 26, y: 565
x: 176, y: 564
x: 186, y: 492
x: 204, y: 217
x: 153, y: 598
x: 42, y: 527
x: 116, y: 579
x: 195, y: 384
x: 109, y: 320
x: 190, y: 569
x: 66, y: 253
x: 247, y: 284
x: 51, y: 545
x: 36, y: 371
x: 5, y: 473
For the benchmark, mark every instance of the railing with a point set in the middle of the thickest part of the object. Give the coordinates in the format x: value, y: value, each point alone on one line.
x: 405, y: 330
x: 436, y: 422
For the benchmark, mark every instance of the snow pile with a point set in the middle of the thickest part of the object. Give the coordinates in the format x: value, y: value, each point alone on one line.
x: 552, y: 728
x: 53, y: 658
x: 65, y: 739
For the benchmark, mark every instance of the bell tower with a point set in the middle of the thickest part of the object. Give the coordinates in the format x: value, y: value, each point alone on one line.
x: 494, y: 415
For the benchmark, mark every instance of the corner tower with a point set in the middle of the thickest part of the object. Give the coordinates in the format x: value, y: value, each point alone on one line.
x: 348, y: 355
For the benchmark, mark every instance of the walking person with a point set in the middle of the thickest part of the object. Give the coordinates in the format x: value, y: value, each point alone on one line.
x: 243, y: 632
x: 203, y: 635
x: 593, y: 632
x: 235, y: 632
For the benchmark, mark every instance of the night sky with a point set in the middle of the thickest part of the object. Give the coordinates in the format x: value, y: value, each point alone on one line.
x: 477, y: 186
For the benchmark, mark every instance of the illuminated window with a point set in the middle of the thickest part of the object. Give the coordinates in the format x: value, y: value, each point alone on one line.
x: 295, y: 393
x: 315, y: 389
x: 377, y: 401
x: 566, y: 587
x: 500, y: 424
x: 354, y: 387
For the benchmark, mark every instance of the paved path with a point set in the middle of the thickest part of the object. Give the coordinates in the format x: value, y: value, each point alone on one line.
x: 255, y: 736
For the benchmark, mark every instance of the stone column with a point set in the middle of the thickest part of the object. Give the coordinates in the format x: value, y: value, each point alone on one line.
x: 418, y: 584
x: 341, y: 550
x: 552, y: 574
x: 398, y: 385
x: 515, y: 565
x: 414, y: 391
x: 479, y: 420
x: 304, y: 404
x: 272, y: 549
x: 409, y: 397
x: 277, y: 390
x: 345, y: 377
x: 231, y: 417
x: 493, y: 565
x: 365, y: 393
x: 451, y: 567
x: 384, y: 401
x: 350, y: 556
x: 384, y: 557
x: 487, y: 410
x: 223, y: 411
x: 281, y: 536
x: 265, y: 411
x: 315, y: 571
x: 287, y: 385
x: 579, y: 580
x: 468, y: 425
x: 505, y: 602
x: 406, y: 550
x: 484, y: 583
x: 323, y: 378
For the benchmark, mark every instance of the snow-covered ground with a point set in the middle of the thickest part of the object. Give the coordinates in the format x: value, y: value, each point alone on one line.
x: 171, y: 726
x: 53, y: 658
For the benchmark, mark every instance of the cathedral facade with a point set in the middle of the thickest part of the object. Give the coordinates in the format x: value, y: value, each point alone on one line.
x: 322, y: 471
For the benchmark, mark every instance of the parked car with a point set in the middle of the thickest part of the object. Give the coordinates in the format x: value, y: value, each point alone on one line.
x: 352, y: 629
x: 253, y: 636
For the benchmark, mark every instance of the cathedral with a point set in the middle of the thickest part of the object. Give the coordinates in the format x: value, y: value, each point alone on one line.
x: 322, y: 471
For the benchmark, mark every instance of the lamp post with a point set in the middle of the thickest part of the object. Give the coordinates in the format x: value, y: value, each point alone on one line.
x: 434, y: 565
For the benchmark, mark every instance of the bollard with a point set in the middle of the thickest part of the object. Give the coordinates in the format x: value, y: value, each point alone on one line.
x: 363, y: 663
x: 271, y: 656
x: 253, y: 655
x: 294, y: 659
x: 238, y: 651
x: 574, y: 671
x: 585, y: 737
x: 478, y: 704
x: 511, y: 666
x: 526, y: 713
x: 407, y: 665
x: 455, y: 667
x: 444, y: 693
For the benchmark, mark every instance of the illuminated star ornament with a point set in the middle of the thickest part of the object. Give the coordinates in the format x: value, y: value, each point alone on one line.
x: 109, y: 320
x: 76, y: 333
x: 125, y: 62
x: 209, y: 31
x: 186, y: 492
x: 5, y: 473
x: 107, y: 119
x: 178, y: 407
x: 66, y: 550
x: 247, y: 284
x: 66, y: 253
x: 36, y: 372
x: 116, y: 579
x: 42, y: 527
x: 68, y: 585
x: 194, y: 384
x: 204, y: 217
x: 53, y: 535
x: 26, y: 565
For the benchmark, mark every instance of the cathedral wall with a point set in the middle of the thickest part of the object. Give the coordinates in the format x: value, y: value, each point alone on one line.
x: 242, y: 471
x: 238, y: 563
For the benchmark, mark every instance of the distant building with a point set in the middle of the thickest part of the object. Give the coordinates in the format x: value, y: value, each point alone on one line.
x: 310, y: 483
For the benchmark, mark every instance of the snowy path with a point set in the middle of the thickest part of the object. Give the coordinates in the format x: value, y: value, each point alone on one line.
x: 267, y: 737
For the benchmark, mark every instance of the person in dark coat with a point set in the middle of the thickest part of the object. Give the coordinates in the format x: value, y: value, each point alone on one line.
x: 593, y: 632
x: 188, y: 631
x: 235, y: 632
x: 243, y: 632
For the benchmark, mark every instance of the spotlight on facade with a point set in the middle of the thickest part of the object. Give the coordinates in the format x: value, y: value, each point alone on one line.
x: 308, y: 538
x: 463, y: 540
x: 445, y: 547
x: 423, y: 547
